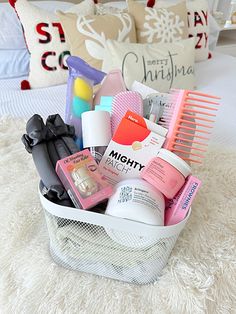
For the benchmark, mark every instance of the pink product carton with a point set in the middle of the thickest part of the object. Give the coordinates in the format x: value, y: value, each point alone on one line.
x: 129, y: 150
x: 178, y: 207
x: 81, y: 178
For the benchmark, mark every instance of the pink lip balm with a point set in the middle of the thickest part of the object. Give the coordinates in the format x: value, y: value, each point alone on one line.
x: 166, y: 172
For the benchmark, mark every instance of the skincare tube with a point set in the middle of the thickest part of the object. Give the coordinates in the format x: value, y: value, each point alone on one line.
x: 178, y: 207
x: 96, y: 131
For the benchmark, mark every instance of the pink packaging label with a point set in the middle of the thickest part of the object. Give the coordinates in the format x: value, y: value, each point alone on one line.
x: 178, y: 207
x: 84, y: 183
x: 163, y: 176
x: 131, y: 147
x: 134, y: 117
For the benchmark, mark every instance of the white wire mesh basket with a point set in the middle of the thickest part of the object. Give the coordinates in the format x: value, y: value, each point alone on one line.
x: 108, y: 246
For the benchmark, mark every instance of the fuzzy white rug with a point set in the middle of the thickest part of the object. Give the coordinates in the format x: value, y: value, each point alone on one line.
x: 199, y: 278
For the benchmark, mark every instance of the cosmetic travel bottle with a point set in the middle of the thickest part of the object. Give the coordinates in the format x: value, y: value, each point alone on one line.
x: 96, y: 130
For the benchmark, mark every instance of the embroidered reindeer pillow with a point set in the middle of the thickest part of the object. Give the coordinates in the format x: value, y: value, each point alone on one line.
x: 87, y: 35
x: 46, y: 43
x: 164, y: 25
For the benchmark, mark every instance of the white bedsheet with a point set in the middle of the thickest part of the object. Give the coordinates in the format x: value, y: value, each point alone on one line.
x: 20, y: 103
x: 216, y: 76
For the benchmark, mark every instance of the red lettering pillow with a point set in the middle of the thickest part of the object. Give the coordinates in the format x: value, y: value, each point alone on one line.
x: 46, y: 42
x: 198, y: 24
x: 198, y: 27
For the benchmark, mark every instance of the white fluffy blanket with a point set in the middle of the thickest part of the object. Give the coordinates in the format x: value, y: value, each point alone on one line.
x: 199, y: 278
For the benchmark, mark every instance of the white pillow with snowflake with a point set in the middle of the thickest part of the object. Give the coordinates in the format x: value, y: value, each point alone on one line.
x: 198, y: 24
x: 164, y: 25
x: 161, y: 66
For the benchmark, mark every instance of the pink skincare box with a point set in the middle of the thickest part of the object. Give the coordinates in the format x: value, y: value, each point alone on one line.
x: 178, y: 207
x: 130, y: 149
x: 167, y: 172
x: 152, y: 126
x: 83, y: 182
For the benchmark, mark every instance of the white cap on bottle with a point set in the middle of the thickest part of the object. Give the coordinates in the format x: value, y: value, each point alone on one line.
x: 175, y: 161
x: 96, y: 128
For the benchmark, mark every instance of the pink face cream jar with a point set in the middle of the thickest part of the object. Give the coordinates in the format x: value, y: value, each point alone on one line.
x: 166, y: 172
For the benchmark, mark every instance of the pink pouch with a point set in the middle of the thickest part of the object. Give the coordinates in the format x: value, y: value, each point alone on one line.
x: 112, y: 84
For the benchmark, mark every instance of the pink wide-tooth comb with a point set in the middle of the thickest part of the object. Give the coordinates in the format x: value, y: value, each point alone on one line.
x: 189, y: 123
x: 123, y: 102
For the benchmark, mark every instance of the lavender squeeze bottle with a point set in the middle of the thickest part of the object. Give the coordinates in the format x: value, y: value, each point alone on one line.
x: 96, y: 132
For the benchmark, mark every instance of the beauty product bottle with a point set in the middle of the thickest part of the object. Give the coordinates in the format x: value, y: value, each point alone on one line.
x: 96, y: 130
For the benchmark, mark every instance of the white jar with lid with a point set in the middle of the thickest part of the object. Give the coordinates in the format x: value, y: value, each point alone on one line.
x: 136, y: 199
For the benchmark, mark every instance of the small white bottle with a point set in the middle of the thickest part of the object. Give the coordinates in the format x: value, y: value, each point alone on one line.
x: 96, y: 131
